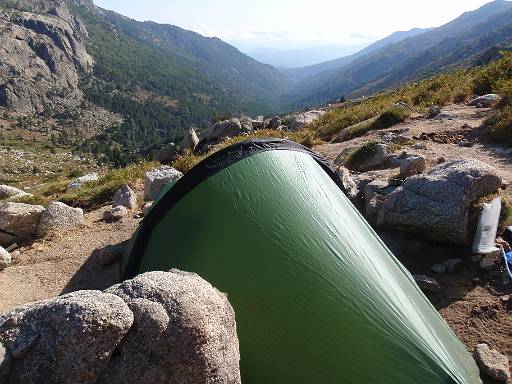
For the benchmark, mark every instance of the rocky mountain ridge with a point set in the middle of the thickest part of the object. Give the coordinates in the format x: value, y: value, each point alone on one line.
x: 44, y: 58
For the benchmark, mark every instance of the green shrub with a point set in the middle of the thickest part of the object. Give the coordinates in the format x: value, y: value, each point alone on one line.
x: 361, y: 154
x: 500, y: 126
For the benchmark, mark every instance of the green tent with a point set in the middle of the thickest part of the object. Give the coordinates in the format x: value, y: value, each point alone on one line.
x: 318, y: 297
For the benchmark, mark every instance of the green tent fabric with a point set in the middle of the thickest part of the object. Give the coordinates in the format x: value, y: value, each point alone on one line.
x: 318, y: 297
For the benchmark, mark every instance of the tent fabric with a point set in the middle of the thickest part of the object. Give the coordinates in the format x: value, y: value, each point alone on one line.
x: 318, y: 297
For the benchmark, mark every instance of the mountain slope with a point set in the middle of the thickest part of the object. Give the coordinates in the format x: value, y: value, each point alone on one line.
x: 160, y: 79
x: 464, y: 34
x: 300, y: 74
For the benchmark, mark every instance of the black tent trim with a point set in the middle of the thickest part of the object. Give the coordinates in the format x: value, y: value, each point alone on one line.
x: 201, y: 172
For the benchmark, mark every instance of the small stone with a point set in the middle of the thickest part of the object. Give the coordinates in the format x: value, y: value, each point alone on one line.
x: 115, y: 214
x: 441, y: 160
x: 125, y: 197
x: 492, y: 363
x: 452, y: 265
x: 439, y: 269
x: 504, y: 184
x: 419, y: 146
x: 5, y: 259
x: 412, y: 165
x: 427, y: 284
x: 465, y: 143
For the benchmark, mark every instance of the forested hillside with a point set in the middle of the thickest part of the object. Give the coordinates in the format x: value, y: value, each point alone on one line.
x: 457, y: 44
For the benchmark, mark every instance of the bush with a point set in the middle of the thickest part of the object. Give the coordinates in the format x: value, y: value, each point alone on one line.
x: 500, y: 126
x: 362, y: 153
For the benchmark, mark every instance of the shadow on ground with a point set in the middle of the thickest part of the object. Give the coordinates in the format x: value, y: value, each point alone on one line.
x: 99, y: 272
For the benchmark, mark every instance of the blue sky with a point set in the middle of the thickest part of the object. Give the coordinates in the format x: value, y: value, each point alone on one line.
x: 294, y: 23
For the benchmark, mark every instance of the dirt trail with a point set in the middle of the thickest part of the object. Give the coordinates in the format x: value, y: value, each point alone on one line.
x: 47, y: 268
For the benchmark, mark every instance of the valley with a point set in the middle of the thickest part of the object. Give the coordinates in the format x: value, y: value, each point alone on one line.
x: 101, y: 116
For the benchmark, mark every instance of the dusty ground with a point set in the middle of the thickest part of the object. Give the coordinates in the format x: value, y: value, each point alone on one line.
x: 46, y: 269
x: 477, y: 306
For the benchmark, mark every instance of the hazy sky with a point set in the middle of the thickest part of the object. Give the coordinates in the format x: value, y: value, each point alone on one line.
x: 294, y: 23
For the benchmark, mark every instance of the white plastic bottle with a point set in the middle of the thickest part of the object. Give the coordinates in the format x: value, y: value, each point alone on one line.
x: 485, y: 238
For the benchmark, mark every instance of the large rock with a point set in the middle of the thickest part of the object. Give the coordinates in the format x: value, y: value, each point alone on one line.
x: 161, y: 327
x: 5, y: 259
x: 367, y: 158
x: 156, y: 179
x: 80, y: 181
x: 485, y: 101
x: 125, y: 197
x: 436, y: 204
x: 492, y: 363
x: 65, y: 340
x: 18, y: 221
x: 300, y: 120
x: 184, y: 333
x: 224, y: 129
x: 189, y: 142
x: 59, y: 217
x: 7, y: 191
x: 375, y: 194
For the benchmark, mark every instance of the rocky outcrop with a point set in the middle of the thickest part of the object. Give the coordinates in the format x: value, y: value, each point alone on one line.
x: 300, y: 120
x: 7, y: 192
x: 225, y: 129
x: 80, y: 181
x: 43, y: 58
x: 58, y: 217
x: 166, y: 154
x: 436, y: 204
x: 160, y: 327
x: 189, y: 142
x: 18, y: 222
x: 69, y: 339
x: 184, y: 332
x: 485, y: 101
x: 156, y: 179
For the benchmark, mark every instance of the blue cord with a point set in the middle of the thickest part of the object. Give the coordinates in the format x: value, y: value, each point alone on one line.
x: 508, y: 261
